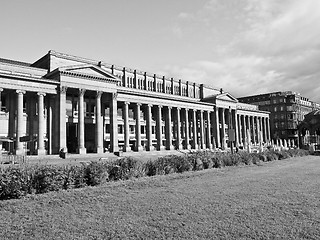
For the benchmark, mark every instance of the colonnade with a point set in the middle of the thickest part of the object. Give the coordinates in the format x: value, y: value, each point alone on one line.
x: 167, y: 126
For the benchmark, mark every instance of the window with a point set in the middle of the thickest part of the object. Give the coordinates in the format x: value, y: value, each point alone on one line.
x: 281, y: 108
x: 120, y: 129
x: 274, y: 101
x: 275, y: 109
x: 131, y: 129
x: 143, y: 128
x: 107, y: 128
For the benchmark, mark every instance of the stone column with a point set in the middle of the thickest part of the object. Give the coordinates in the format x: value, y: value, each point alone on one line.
x: 62, y: 120
x: 208, y: 144
x: 126, y: 147
x: 240, y: 129
x: 99, y: 124
x: 268, y: 129
x: 265, y: 130
x: 114, y: 143
x: 50, y: 123
x: 259, y: 140
x: 169, y: 145
x: 138, y: 146
x: 195, y: 125
x: 202, y: 142
x: 217, y: 125
x: 223, y: 133
x: 149, y: 128
x: 31, y: 112
x: 253, y: 130
x: 81, y: 133
x: 178, y: 119
x: 41, y: 124
x: 1, y: 89
x: 236, y: 128
x: 244, y: 131
x: 159, y: 129
x: 19, y: 131
x: 12, y: 99
x: 187, y: 138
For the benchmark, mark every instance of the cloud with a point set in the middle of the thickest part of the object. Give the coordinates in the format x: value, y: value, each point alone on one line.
x: 264, y: 46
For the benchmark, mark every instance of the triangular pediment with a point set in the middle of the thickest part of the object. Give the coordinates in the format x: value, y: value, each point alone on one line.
x: 226, y: 97
x: 89, y: 70
x: 220, y: 97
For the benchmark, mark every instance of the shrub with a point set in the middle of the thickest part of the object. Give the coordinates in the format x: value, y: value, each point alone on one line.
x: 15, y: 182
x: 126, y: 168
x: 167, y: 165
x: 95, y: 173
x: 48, y: 178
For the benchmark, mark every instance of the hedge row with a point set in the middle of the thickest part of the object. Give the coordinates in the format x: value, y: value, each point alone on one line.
x: 17, y: 181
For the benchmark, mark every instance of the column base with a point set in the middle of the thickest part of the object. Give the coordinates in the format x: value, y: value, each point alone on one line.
x: 210, y: 147
x: 180, y: 146
x: 196, y: 146
x: 203, y: 146
x: 171, y: 147
x: 139, y: 149
x: 82, y: 151
x: 20, y: 152
x: 100, y: 150
x: 160, y: 148
x: 127, y: 149
x: 188, y: 147
x: 150, y: 148
x: 41, y: 152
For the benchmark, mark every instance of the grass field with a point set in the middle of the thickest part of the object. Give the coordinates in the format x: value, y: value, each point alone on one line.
x: 277, y: 200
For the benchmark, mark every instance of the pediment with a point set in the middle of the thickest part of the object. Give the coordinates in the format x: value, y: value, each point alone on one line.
x: 223, y: 97
x: 89, y: 70
x: 226, y: 97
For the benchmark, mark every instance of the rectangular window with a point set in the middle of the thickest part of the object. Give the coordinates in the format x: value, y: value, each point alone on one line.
x: 107, y: 128
x: 132, y: 129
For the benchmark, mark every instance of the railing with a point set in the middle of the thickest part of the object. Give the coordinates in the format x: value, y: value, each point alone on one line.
x: 12, y: 159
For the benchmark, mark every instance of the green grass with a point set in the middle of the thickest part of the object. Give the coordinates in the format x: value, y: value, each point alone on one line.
x: 277, y: 200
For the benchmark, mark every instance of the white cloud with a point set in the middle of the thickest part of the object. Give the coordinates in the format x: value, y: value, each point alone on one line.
x: 267, y: 46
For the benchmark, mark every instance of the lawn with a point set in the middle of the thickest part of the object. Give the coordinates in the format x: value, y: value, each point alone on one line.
x: 276, y: 200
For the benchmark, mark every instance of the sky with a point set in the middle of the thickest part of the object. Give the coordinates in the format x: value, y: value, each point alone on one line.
x: 246, y: 47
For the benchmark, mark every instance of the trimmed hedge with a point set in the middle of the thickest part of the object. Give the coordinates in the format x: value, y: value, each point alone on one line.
x: 18, y: 181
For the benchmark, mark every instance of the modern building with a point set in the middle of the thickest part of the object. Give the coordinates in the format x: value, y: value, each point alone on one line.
x: 287, y: 111
x: 67, y: 104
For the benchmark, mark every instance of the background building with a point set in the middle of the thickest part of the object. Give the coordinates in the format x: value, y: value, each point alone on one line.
x: 287, y: 110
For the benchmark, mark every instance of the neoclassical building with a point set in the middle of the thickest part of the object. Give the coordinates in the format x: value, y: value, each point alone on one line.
x: 64, y: 103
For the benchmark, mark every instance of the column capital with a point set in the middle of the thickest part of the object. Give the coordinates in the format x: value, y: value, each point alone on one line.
x: 138, y: 104
x: 169, y: 107
x: 20, y: 91
x: 179, y: 108
x: 41, y: 93
x: 160, y: 106
x: 99, y: 94
x: 82, y: 91
x: 62, y: 89
x: 126, y: 103
x: 149, y: 105
x: 1, y: 89
x: 201, y: 110
x: 114, y: 95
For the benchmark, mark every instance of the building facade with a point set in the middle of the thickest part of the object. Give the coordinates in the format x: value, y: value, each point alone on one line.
x: 69, y: 104
x: 287, y: 111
